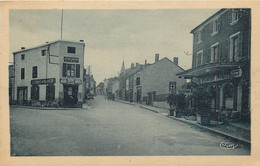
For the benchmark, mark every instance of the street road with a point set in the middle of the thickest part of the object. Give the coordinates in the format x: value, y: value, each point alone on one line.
x: 109, y: 128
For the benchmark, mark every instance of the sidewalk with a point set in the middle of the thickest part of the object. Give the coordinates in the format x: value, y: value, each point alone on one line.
x: 236, y: 131
x: 43, y: 108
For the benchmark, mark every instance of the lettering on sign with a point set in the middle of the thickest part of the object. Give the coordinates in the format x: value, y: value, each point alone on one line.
x: 78, y: 81
x: 71, y: 59
x: 43, y: 81
x: 63, y: 81
x: 236, y: 73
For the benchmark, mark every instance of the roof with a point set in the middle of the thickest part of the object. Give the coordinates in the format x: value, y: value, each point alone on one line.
x: 165, y: 58
x: 206, y: 21
x: 42, y: 45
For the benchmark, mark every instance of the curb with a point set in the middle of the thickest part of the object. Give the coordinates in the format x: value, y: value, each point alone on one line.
x: 126, y: 102
x: 214, y: 131
x: 200, y: 126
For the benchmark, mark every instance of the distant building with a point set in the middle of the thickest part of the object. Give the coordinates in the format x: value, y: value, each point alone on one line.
x: 110, y: 86
x: 89, y: 84
x: 100, y: 89
x: 50, y: 74
x: 151, y: 85
x: 221, y: 60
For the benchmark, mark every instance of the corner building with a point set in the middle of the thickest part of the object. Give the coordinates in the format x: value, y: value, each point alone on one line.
x: 221, y: 61
x: 50, y: 74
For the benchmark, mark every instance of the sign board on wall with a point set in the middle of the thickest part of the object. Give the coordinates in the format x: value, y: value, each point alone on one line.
x: 43, y: 81
x: 71, y: 59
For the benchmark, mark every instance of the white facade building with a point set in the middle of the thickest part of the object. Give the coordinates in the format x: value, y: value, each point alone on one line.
x: 50, y: 74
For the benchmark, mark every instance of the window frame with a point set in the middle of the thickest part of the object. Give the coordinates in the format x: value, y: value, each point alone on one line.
x: 234, y: 12
x: 35, y: 93
x: 22, y: 73
x: 232, y: 55
x: 201, y: 58
x: 22, y: 56
x: 34, y: 73
x: 71, y: 50
x: 214, y: 58
x: 43, y: 52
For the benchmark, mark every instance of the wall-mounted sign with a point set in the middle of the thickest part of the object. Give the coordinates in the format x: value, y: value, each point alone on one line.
x: 71, y: 59
x: 63, y: 81
x: 78, y: 81
x: 43, y: 81
x: 70, y: 81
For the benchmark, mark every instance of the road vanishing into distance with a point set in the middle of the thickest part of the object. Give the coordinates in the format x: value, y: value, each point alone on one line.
x: 109, y: 128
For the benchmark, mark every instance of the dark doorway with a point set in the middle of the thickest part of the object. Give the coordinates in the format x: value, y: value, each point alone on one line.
x: 22, y: 95
x: 70, y: 95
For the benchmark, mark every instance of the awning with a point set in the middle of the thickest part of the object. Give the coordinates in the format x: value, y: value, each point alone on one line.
x: 208, y: 69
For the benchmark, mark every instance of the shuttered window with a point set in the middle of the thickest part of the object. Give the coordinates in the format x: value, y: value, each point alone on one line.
x: 22, y: 73
x: 77, y: 70
x: 34, y: 72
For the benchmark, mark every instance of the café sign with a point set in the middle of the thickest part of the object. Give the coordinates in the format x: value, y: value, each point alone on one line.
x: 43, y: 81
x: 71, y: 59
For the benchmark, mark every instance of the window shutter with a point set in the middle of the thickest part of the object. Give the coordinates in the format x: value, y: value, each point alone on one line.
x: 211, y: 54
x: 219, y: 23
x: 230, y: 50
x: 230, y: 16
x: 64, y: 70
x: 219, y: 53
x: 211, y: 27
x: 240, y: 45
x: 77, y: 70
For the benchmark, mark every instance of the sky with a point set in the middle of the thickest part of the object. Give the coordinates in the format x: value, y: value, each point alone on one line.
x: 111, y: 36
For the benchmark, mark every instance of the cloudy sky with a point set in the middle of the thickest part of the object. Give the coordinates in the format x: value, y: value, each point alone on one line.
x: 111, y: 36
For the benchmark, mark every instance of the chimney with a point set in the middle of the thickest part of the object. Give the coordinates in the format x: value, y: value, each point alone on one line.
x: 22, y: 48
x: 156, y: 57
x: 47, y: 42
x: 175, y: 60
x: 145, y: 62
x: 132, y: 65
x: 81, y: 40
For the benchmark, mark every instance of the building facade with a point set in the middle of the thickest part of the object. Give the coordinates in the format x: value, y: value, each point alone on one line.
x: 89, y: 85
x: 11, y: 83
x: 100, y: 89
x: 221, y: 60
x: 50, y: 74
x: 151, y: 85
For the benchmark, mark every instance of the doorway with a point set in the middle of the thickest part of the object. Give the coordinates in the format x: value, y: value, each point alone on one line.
x: 22, y: 95
x: 70, y: 95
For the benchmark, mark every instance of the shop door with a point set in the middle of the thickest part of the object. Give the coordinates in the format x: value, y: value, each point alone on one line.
x: 22, y: 95
x: 70, y: 95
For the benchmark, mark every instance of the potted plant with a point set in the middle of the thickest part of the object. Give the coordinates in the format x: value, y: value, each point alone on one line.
x: 201, y: 104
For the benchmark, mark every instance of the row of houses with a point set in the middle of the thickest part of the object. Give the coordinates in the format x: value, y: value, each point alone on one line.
x: 51, y: 74
x: 220, y: 65
x: 146, y: 83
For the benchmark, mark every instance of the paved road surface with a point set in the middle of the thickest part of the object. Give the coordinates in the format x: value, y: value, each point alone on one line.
x: 108, y: 128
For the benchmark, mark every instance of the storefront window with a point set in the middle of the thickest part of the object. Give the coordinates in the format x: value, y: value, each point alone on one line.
x: 35, y: 92
x: 50, y: 92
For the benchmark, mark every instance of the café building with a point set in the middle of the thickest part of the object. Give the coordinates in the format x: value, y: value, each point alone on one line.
x: 50, y: 74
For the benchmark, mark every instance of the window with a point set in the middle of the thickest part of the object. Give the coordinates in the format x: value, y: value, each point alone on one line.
x: 198, y: 36
x: 34, y: 72
x: 50, y: 92
x: 138, y: 81
x: 77, y: 70
x: 22, y: 56
x: 72, y: 50
x: 22, y: 73
x: 199, y: 58
x: 71, y: 70
x: 235, y: 47
x: 43, y: 52
x: 215, y: 26
x: 35, y: 92
x: 214, y: 53
x: 233, y: 16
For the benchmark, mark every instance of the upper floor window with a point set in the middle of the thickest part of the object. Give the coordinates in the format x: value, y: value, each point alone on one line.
x: 235, y: 47
x: 34, y: 72
x: 71, y: 70
x: 199, y: 58
x: 43, y: 52
x: 233, y: 16
x: 198, y: 36
x: 71, y: 50
x: 22, y: 56
x: 214, y: 53
x: 215, y: 26
x: 138, y: 81
x: 22, y: 73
